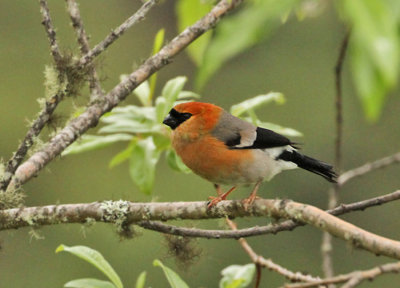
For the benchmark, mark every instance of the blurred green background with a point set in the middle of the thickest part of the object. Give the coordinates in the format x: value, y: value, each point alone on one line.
x: 298, y: 60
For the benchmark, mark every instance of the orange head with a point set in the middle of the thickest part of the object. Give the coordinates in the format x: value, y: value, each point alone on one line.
x: 193, y: 116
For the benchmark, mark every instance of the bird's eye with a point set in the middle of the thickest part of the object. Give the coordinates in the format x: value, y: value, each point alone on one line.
x: 186, y: 115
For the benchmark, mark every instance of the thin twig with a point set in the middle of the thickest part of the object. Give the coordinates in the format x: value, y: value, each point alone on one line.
x: 90, y: 117
x: 117, y: 32
x: 130, y: 213
x: 354, y: 278
x: 268, y: 263
x: 326, y: 245
x: 51, y: 33
x: 339, y: 102
x: 77, y: 23
x: 368, y: 167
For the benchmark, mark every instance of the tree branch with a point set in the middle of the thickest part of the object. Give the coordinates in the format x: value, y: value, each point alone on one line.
x: 353, y: 278
x: 94, y: 83
x: 91, y: 116
x: 339, y: 101
x: 326, y: 245
x: 51, y: 33
x: 368, y: 167
x: 288, y: 225
x: 131, y: 213
x: 269, y: 264
x: 50, y: 104
x: 117, y: 32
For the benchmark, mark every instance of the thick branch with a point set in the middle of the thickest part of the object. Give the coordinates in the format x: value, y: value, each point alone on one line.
x: 129, y: 213
x: 288, y: 225
x: 91, y: 116
x: 7, y: 217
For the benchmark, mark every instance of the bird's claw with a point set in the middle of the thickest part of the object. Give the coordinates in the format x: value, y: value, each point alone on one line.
x: 221, y: 196
x: 248, y: 201
x: 214, y: 201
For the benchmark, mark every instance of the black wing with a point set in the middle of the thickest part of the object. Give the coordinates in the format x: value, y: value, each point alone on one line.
x: 268, y: 139
x: 239, y: 134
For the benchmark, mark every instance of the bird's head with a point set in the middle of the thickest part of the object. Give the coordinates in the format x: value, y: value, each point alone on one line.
x: 196, y: 115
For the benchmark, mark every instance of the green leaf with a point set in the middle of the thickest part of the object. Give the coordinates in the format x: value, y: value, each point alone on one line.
x: 93, y: 142
x: 188, y: 94
x: 173, y: 279
x: 189, y: 12
x: 370, y: 85
x: 172, y: 89
x: 161, y: 141
x: 310, y: 8
x: 143, y: 160
x: 95, y: 258
x: 131, y: 126
x: 256, y: 102
x: 374, y: 49
x: 175, y: 162
x: 130, y: 112
x: 141, y: 280
x: 131, y: 119
x: 169, y: 95
x: 123, y: 155
x: 237, y: 276
x: 161, y: 108
x: 239, y: 32
x: 143, y: 93
x: 89, y: 283
x: 158, y: 42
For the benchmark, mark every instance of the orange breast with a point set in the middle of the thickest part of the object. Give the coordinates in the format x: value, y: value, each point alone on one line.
x: 211, y: 159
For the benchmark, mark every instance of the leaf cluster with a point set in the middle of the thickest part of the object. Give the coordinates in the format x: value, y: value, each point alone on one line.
x: 234, y: 276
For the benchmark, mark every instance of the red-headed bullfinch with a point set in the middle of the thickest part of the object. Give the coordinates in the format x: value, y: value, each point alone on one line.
x: 227, y: 150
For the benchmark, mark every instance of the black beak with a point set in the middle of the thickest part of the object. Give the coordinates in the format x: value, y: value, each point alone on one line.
x: 171, y: 121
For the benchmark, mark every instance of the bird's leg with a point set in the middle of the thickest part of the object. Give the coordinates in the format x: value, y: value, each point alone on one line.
x: 249, y: 200
x: 219, y: 190
x: 221, y: 196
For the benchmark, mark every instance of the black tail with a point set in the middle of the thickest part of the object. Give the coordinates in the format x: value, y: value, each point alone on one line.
x: 313, y: 165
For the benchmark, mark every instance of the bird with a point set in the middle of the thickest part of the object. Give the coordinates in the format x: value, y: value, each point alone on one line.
x: 227, y: 150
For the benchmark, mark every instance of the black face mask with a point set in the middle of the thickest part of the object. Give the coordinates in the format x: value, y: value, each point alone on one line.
x: 175, y: 118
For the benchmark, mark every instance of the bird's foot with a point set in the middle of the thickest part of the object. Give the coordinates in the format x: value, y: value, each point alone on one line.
x: 253, y: 195
x: 215, y: 200
x: 248, y: 201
